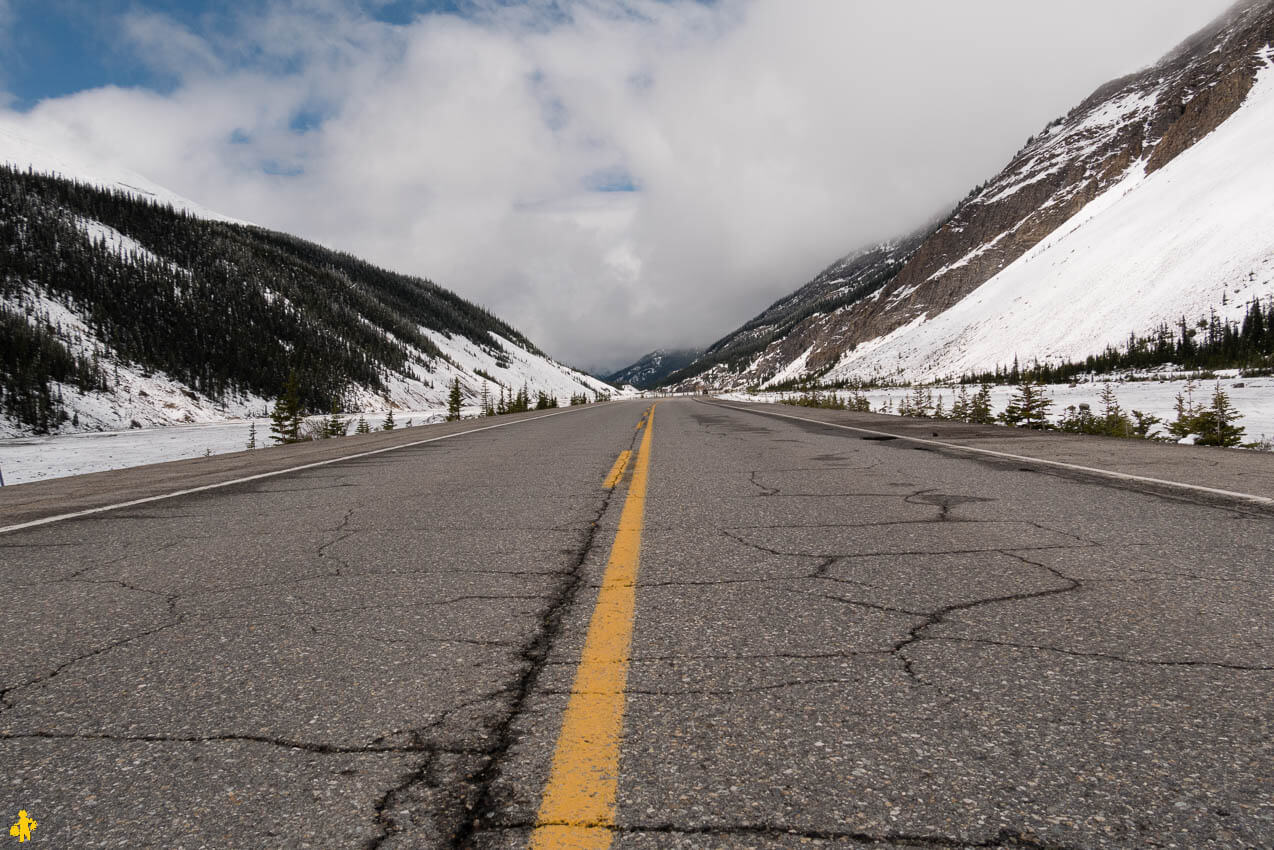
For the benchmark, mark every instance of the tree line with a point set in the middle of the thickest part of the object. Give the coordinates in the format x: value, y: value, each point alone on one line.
x: 1206, y: 344
x: 1211, y: 423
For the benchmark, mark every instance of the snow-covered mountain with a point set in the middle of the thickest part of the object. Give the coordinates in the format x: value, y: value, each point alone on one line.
x: 1149, y: 201
x: 651, y: 370
x: 123, y: 304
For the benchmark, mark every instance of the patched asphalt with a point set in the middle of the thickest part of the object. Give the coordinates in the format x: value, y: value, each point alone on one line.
x: 839, y: 641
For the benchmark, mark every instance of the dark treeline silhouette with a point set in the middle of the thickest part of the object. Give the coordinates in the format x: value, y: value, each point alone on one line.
x: 1204, y: 345
x: 223, y: 308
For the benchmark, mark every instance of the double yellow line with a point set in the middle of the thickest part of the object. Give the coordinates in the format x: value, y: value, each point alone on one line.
x: 578, y: 808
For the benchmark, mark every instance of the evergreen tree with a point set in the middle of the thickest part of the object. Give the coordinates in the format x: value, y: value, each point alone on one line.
x: 362, y: 427
x: 484, y: 404
x: 453, y: 401
x: 1115, y: 422
x: 388, y: 424
x: 1216, y: 423
x: 334, y: 425
x: 1188, y: 413
x: 980, y: 412
x: 1145, y: 424
x: 1080, y: 420
x: 285, y: 418
x: 252, y: 435
x: 1028, y: 408
x: 960, y: 407
x: 921, y: 403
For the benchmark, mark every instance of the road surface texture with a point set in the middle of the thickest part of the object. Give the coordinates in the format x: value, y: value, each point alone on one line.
x: 766, y: 632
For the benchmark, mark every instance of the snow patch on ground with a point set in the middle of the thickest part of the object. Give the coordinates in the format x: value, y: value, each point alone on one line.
x: 1255, y: 400
x: 25, y: 459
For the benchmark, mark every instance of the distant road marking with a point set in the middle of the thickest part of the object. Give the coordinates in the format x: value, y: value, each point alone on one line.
x: 1108, y: 473
x: 175, y: 494
x: 578, y: 809
x: 617, y: 471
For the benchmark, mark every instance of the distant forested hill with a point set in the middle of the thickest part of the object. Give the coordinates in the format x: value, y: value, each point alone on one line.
x: 94, y: 281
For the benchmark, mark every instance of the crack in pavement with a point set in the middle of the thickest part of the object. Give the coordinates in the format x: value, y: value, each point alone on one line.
x: 1105, y: 656
x: 765, y: 491
x: 417, y: 745
x: 475, y: 795
x: 938, y: 616
x: 6, y: 694
x: 897, y: 553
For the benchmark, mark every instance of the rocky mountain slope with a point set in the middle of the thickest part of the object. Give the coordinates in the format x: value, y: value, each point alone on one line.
x: 651, y: 370
x: 118, y: 308
x: 1148, y: 201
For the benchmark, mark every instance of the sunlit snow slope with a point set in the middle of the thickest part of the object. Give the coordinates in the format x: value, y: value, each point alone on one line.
x: 1196, y: 235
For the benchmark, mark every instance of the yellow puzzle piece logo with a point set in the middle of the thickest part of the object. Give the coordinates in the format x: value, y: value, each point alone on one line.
x: 22, y: 829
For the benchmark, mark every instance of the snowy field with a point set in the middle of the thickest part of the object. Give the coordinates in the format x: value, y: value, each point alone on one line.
x: 24, y: 459
x: 1255, y: 399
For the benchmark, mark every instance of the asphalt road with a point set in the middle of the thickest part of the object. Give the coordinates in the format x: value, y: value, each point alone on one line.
x: 770, y: 633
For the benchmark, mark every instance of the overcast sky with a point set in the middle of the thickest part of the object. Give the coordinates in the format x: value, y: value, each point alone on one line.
x: 610, y: 177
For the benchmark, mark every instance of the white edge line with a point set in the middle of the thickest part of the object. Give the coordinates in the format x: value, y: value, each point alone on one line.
x: 62, y: 517
x: 1123, y: 476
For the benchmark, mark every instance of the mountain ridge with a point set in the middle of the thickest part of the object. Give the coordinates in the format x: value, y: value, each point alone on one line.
x: 1133, y: 127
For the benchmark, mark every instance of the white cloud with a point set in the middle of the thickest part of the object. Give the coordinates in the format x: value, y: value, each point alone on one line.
x: 766, y: 138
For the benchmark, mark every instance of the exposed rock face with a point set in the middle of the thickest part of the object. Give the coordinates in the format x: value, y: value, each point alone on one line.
x: 763, y: 346
x: 1142, y: 121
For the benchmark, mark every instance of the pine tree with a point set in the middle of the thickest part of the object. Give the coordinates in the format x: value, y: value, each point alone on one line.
x: 285, y: 418
x: 279, y: 422
x: 295, y: 414
x: 921, y: 403
x: 453, y: 401
x: 1216, y: 423
x: 980, y: 412
x: 484, y: 404
x: 1145, y: 424
x: 388, y: 424
x: 1188, y: 413
x: 1028, y: 408
x: 960, y: 409
x: 1079, y: 420
x: 252, y: 435
x: 1115, y: 422
x: 334, y: 425
x: 362, y: 427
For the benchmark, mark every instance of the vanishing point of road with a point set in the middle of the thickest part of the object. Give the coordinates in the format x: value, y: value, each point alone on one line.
x: 686, y: 624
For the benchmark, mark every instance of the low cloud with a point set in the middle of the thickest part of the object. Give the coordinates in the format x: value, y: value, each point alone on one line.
x: 608, y: 177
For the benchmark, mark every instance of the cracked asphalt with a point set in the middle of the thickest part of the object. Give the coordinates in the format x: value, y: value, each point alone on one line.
x: 839, y: 641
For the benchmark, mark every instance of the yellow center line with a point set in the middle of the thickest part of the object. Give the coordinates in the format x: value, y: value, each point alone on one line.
x: 577, y: 811
x: 617, y: 471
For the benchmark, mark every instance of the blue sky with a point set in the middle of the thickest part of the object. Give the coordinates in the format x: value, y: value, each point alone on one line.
x: 59, y: 47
